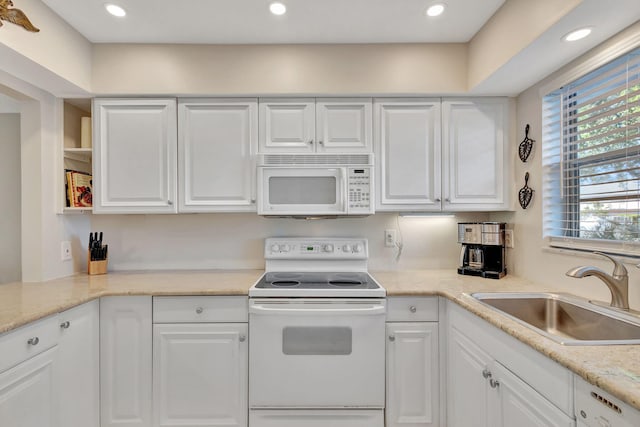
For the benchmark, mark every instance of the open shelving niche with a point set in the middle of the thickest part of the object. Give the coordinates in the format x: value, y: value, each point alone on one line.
x: 74, y: 156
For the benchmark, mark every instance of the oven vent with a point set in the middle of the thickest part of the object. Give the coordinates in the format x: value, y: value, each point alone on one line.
x: 606, y: 402
x: 315, y: 159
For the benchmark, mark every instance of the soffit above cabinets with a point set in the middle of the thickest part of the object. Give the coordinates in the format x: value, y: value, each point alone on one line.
x: 250, y: 22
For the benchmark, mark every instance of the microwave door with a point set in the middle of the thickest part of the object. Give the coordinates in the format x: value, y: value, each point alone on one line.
x: 302, y: 191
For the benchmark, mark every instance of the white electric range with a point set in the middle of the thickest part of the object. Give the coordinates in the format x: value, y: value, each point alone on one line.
x: 316, y: 336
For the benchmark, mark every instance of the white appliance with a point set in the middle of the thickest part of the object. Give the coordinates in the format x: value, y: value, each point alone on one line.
x: 315, y: 184
x: 317, y: 336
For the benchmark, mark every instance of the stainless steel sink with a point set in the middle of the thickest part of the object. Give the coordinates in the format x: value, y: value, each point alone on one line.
x: 567, y: 319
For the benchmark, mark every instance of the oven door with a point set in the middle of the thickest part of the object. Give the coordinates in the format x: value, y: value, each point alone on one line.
x: 302, y: 191
x: 316, y: 353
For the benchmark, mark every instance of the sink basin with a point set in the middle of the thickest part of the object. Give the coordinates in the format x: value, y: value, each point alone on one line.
x: 566, y: 319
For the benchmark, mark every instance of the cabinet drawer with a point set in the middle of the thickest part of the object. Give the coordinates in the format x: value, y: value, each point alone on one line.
x: 200, y: 309
x: 412, y: 309
x: 25, y: 342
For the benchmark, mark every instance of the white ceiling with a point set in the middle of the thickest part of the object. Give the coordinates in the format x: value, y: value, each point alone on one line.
x: 250, y: 22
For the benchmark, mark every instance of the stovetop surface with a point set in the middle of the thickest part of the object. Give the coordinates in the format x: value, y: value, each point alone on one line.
x: 316, y: 280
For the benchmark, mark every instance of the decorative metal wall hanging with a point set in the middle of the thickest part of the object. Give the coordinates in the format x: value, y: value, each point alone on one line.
x: 526, y: 193
x: 15, y: 16
x: 524, y: 150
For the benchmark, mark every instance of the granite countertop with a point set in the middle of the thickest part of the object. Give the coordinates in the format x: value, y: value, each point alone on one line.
x: 616, y: 369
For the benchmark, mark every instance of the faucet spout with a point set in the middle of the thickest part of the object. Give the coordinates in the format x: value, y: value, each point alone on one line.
x: 617, y: 282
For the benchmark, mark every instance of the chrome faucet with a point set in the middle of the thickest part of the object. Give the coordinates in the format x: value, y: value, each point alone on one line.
x: 617, y: 282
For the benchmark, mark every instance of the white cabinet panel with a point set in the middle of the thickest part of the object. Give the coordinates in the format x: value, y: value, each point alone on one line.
x: 134, y: 162
x: 200, y: 374
x: 476, y: 154
x: 407, y: 146
x: 27, y: 393
x: 412, y: 375
x: 125, y: 361
x: 287, y: 125
x: 343, y: 126
x: 216, y: 146
x: 78, y: 368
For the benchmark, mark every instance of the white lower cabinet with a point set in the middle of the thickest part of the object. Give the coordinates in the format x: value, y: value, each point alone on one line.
x: 200, y: 362
x: 77, y: 369
x: 27, y: 393
x: 125, y: 361
x: 413, y: 379
x: 485, y: 384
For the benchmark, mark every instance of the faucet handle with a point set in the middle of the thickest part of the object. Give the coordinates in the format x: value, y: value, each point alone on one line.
x: 619, y: 270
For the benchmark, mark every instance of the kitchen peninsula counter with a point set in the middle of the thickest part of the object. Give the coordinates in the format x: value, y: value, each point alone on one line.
x: 615, y: 369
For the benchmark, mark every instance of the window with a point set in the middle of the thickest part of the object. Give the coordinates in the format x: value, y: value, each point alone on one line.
x: 591, y: 160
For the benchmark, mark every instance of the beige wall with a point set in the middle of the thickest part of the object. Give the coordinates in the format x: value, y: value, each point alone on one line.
x: 530, y: 258
x: 279, y: 69
x: 10, y: 238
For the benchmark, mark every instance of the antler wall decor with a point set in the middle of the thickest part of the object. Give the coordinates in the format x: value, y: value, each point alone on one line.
x: 15, y: 16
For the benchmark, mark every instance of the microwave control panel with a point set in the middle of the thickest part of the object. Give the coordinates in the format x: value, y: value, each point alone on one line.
x: 359, y: 189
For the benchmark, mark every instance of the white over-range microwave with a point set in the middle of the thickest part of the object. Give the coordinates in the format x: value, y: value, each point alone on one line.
x: 310, y: 185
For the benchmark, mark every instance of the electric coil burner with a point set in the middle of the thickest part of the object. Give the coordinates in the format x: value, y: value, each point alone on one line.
x: 314, y: 267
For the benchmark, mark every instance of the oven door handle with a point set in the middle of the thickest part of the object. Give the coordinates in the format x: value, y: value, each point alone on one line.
x: 365, y: 310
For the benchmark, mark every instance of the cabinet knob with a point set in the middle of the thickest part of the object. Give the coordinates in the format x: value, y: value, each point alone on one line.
x: 320, y: 142
x: 169, y: 202
x: 437, y: 200
x: 413, y: 309
x: 65, y: 325
x: 253, y: 201
x: 392, y: 338
x: 242, y: 338
x: 486, y: 373
x: 33, y: 341
x: 447, y: 200
x: 494, y: 383
x: 310, y: 142
x: 199, y: 310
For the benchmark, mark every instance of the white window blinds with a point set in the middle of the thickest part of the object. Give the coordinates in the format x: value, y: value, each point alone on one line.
x: 591, y: 160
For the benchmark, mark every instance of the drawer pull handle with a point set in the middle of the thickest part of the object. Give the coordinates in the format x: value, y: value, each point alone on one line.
x: 242, y: 338
x: 494, y: 383
x: 65, y: 325
x: 392, y: 338
x: 33, y: 341
x: 486, y: 373
x: 413, y: 309
x: 199, y: 310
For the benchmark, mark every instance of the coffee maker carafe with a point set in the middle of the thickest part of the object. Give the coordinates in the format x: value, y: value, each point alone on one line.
x: 482, y: 252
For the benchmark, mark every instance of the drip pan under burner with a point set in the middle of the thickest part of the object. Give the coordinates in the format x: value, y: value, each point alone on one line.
x: 285, y: 283
x: 345, y: 283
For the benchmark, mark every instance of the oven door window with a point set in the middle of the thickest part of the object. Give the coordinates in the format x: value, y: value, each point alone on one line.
x: 303, y: 190
x: 320, y: 341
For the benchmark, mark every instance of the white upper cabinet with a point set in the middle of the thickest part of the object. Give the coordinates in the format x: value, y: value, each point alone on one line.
x: 476, y: 154
x: 307, y: 125
x: 408, y: 155
x: 134, y: 162
x: 217, y: 143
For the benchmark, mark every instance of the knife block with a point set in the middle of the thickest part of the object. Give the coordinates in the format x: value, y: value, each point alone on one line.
x: 96, y: 267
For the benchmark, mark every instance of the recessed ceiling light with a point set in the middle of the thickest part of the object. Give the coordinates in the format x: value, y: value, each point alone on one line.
x: 435, y: 9
x: 577, y: 34
x: 277, y: 8
x: 115, y: 10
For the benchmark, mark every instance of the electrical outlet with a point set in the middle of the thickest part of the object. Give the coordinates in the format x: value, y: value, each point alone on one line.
x: 390, y: 238
x: 65, y: 248
x: 508, y: 238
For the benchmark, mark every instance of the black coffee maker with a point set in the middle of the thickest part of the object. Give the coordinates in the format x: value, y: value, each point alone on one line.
x: 483, y: 251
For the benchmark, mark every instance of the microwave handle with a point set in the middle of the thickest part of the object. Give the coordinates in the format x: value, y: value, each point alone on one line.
x: 345, y: 190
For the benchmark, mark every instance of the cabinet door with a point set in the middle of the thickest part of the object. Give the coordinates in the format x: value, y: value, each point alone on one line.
x: 125, y: 361
x: 407, y: 148
x: 513, y: 402
x: 287, y: 125
x: 78, y: 368
x: 27, y: 394
x: 200, y: 374
x: 467, y: 385
x: 134, y: 162
x: 343, y: 125
x: 476, y: 154
x: 216, y: 147
x: 412, y: 375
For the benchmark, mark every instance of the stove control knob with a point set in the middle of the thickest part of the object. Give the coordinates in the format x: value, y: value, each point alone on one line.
x: 346, y: 248
x: 328, y: 248
x: 275, y: 248
x: 285, y: 248
x: 357, y: 248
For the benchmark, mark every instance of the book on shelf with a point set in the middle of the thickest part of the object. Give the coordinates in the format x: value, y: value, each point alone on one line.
x: 79, y: 189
